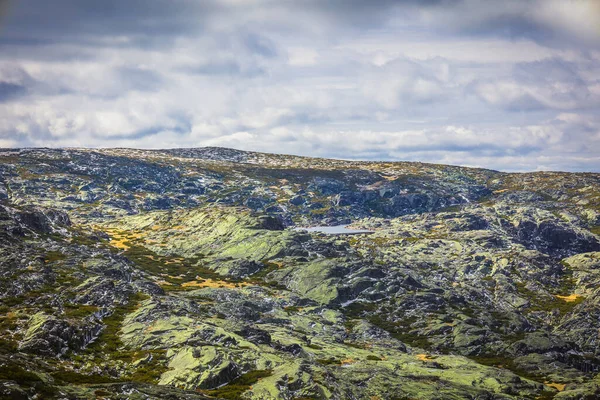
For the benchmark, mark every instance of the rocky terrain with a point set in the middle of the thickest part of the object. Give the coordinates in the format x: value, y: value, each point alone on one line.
x: 183, y: 274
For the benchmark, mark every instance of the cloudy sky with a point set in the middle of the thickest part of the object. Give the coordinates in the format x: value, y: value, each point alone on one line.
x: 511, y: 85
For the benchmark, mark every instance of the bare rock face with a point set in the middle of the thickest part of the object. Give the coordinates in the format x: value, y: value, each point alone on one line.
x: 50, y: 336
x: 555, y: 237
x: 43, y: 221
x: 271, y: 224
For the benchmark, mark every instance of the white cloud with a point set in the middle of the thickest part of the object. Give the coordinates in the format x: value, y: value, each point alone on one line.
x: 302, y: 56
x: 431, y: 83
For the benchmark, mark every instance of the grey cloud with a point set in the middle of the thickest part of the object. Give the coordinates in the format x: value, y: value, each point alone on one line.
x: 157, y: 23
x: 554, y: 69
x: 260, y: 45
x: 548, y: 84
x: 136, y: 78
x: 548, y: 22
x: 43, y: 22
x: 144, y: 133
x: 366, y: 13
x: 3, y: 10
x: 9, y: 91
x: 227, y: 67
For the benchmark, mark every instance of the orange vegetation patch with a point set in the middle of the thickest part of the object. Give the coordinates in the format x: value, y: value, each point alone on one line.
x: 173, y: 277
x: 174, y: 261
x: 278, y: 264
x: 424, y: 357
x: 211, y: 283
x: 120, y: 239
x: 570, y: 298
x: 558, y: 386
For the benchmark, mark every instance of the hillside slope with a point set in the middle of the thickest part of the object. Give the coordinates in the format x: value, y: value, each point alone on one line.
x: 181, y: 273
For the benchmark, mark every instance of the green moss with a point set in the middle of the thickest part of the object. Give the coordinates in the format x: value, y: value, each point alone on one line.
x: 77, y: 378
x: 328, y: 361
x: 268, y: 268
x: 8, y: 323
x: 18, y: 374
x: 24, y: 378
x: 53, y: 256
x: 349, y: 324
x: 291, y: 309
x: 452, y: 208
x: 500, y: 361
x: 83, y: 240
x: 8, y: 346
x: 563, y: 307
x: 109, y: 342
x: 401, y: 330
x: 79, y: 310
x: 235, y: 388
x: 359, y: 310
x: 549, y: 305
x: 30, y: 297
x: 150, y: 371
x: 167, y: 267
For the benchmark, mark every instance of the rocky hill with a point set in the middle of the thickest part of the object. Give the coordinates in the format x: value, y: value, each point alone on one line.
x: 183, y: 274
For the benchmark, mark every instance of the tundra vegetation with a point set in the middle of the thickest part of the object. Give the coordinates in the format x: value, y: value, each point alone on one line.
x: 181, y: 274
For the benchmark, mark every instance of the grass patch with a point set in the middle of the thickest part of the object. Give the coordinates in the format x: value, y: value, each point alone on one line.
x: 109, y: 342
x: 30, y: 297
x: 398, y: 329
x: 499, y: 361
x: 8, y: 346
x: 77, y: 378
x: 234, y: 389
x: 79, y: 310
x: 150, y: 371
x: 537, y: 304
x: 53, y: 256
x: 595, y: 230
x: 169, y: 267
x: 26, y: 379
x: 329, y: 361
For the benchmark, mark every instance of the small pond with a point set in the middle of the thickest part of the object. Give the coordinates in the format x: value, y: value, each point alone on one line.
x: 334, y: 230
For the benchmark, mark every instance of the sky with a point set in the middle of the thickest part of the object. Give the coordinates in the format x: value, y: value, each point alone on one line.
x: 511, y: 85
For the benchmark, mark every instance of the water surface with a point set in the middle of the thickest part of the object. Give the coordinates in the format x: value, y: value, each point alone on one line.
x: 334, y: 230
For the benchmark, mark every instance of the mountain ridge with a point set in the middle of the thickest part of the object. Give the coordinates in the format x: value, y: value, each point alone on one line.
x: 136, y: 274
x: 259, y: 153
